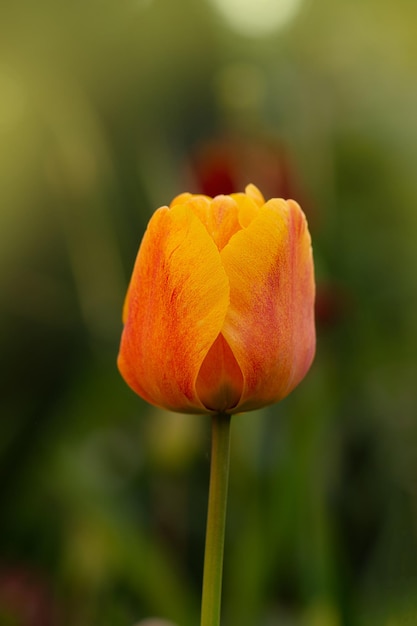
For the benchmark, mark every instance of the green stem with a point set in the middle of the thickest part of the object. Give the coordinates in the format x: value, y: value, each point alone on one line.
x: 216, y: 521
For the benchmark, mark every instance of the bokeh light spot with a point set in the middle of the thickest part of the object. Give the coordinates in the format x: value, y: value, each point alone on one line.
x: 256, y: 18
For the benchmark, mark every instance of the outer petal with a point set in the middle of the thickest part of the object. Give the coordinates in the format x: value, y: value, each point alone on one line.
x: 175, y: 309
x: 270, y: 321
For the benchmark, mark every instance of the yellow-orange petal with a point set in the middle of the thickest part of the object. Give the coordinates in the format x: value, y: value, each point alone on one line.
x: 177, y: 301
x: 220, y: 381
x: 181, y: 199
x: 248, y: 209
x: 223, y: 221
x: 269, y: 325
x: 219, y: 215
x: 253, y: 192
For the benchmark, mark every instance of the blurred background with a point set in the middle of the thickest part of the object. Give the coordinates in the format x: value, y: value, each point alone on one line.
x: 108, y: 110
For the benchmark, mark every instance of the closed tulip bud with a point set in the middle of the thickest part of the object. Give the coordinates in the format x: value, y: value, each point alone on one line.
x: 219, y: 314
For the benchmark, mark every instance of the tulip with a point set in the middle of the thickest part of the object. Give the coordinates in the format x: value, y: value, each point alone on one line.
x: 219, y: 313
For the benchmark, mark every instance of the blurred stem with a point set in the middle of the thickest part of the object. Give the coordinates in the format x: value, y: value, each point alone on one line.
x: 216, y: 520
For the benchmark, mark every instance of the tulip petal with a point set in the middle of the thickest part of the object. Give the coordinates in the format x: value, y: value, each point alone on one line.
x: 248, y: 209
x: 269, y: 325
x: 220, y: 381
x: 181, y: 199
x: 223, y: 220
x: 176, y: 305
x: 253, y: 192
x: 219, y: 215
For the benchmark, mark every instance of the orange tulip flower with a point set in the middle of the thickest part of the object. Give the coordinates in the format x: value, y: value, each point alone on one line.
x: 219, y: 314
